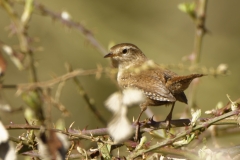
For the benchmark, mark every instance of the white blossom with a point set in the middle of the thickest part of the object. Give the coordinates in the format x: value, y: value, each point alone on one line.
x: 132, y: 97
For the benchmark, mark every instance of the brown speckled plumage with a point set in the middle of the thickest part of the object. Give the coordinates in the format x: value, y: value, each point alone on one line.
x: 160, y: 86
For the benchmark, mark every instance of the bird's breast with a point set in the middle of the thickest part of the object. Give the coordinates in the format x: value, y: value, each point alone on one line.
x: 125, y: 79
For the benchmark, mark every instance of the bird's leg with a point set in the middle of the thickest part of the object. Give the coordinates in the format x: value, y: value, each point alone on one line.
x: 143, y: 108
x: 169, y: 117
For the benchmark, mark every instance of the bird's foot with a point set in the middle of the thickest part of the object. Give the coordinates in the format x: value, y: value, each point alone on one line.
x: 168, y: 121
x: 137, y: 136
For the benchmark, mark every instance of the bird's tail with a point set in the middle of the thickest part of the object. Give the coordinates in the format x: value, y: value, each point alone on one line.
x: 180, y: 83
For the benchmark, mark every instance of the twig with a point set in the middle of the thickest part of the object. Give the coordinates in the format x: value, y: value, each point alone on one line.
x: 70, y: 150
x: 57, y: 104
x: 47, y: 84
x: 72, y: 156
x: 9, y: 86
x: 220, y: 131
x: 200, y: 12
x: 20, y: 30
x: 87, y: 99
x: 59, y: 91
x: 20, y: 26
x: 71, y: 24
x: 202, y: 69
x: 178, y: 152
x: 24, y: 142
x: 13, y: 55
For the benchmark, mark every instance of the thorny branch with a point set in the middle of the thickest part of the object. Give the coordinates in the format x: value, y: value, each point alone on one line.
x: 103, y: 131
x: 93, y: 134
x: 199, y: 127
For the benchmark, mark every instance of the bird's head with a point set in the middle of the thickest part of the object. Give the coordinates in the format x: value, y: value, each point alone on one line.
x: 126, y: 55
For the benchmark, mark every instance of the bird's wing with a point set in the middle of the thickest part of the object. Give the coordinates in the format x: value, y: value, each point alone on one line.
x: 153, y: 85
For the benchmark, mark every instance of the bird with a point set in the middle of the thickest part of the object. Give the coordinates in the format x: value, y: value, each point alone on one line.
x: 159, y: 85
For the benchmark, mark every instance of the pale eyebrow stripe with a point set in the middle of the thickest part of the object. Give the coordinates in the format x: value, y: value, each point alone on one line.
x: 132, y: 47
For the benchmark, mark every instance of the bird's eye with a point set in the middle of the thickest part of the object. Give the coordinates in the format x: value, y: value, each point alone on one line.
x: 124, y: 51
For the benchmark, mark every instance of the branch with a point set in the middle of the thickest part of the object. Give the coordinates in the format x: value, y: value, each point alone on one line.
x: 103, y: 131
x: 146, y: 126
x: 48, y: 84
x: 183, y: 134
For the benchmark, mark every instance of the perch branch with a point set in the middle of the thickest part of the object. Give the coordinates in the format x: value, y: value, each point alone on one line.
x: 183, y: 134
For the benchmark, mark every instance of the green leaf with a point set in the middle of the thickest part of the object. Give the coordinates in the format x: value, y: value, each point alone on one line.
x: 188, y: 8
x: 104, y: 149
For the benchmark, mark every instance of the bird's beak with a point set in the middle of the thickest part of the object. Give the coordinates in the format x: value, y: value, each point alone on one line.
x: 109, y: 55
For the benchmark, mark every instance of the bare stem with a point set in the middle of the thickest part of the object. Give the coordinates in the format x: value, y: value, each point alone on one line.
x: 50, y: 83
x: 90, y: 103
x: 201, y: 7
x: 200, y: 30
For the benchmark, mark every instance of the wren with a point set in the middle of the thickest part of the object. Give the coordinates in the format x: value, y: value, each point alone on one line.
x: 160, y: 86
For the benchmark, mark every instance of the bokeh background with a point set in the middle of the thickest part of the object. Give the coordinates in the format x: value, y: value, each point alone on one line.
x: 158, y: 28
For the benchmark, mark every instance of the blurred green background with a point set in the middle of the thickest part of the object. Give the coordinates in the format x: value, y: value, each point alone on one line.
x: 157, y: 27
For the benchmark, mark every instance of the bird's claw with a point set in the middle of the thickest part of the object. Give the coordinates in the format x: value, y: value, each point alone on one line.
x: 168, y: 120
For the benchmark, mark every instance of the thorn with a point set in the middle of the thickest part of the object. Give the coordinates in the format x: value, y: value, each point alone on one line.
x: 85, y: 128
x: 229, y: 98
x: 26, y: 121
x: 91, y: 134
x: 71, y: 125
x: 151, y: 119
